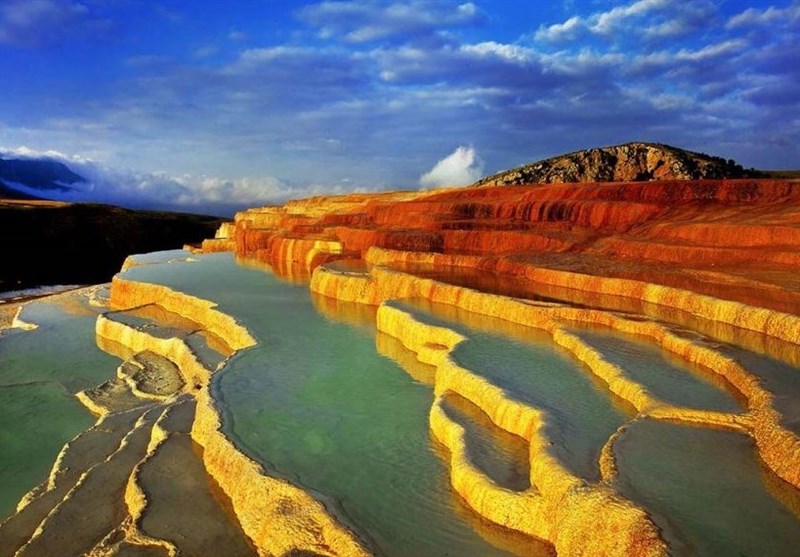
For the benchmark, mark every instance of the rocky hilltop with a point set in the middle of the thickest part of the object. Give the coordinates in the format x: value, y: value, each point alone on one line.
x: 630, y: 162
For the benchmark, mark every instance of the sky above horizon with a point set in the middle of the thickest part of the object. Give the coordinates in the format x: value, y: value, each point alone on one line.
x: 203, y: 103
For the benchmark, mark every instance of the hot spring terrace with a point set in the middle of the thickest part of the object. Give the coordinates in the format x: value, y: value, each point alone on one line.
x: 505, y: 372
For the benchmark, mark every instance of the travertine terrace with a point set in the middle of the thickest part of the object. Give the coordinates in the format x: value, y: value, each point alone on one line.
x: 694, y: 269
x: 719, y: 257
x: 158, y: 445
x: 734, y: 240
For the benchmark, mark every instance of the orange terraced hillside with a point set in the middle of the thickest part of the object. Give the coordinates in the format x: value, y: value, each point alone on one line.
x: 694, y: 264
x: 732, y: 239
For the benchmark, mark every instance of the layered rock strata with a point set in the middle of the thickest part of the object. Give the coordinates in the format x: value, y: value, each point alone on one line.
x: 736, y: 241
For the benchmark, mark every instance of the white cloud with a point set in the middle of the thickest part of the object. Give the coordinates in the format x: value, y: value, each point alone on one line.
x: 712, y: 50
x: 238, y: 36
x: 28, y: 153
x: 669, y: 28
x: 460, y: 168
x: 584, y: 62
x: 560, y: 32
x: 608, y: 22
x: 29, y: 23
x: 158, y: 190
x: 265, y: 108
x: 753, y: 16
x: 665, y: 19
x: 361, y: 22
x: 507, y: 52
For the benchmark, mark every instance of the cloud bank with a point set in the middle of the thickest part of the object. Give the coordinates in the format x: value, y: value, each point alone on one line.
x: 460, y: 168
x: 148, y: 190
x: 362, y: 22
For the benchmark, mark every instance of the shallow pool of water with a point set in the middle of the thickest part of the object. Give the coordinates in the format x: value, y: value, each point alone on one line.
x: 512, y: 286
x: 500, y: 455
x: 160, y: 323
x: 40, y: 370
x: 327, y: 403
x: 780, y: 378
x: 668, y: 378
x: 318, y: 405
x: 581, y: 413
x: 166, y: 256
x: 705, y: 488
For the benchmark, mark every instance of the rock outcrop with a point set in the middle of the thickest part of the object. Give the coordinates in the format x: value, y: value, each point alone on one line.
x: 621, y: 163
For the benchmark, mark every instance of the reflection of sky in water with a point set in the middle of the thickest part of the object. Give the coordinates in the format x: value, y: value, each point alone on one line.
x: 581, y: 415
x: 317, y: 404
x: 40, y: 370
x: 705, y: 486
x: 667, y: 378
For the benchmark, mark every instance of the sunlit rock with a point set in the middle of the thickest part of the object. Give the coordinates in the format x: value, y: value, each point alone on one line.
x: 694, y: 270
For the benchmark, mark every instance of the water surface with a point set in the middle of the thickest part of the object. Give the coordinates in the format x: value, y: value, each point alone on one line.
x: 317, y: 404
x: 705, y: 487
x: 668, y: 378
x: 502, y: 456
x: 780, y: 378
x: 581, y: 413
x: 40, y: 370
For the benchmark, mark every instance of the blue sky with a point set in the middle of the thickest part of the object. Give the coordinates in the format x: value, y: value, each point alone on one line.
x: 202, y: 103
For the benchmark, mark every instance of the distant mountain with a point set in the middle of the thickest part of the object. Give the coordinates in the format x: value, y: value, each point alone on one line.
x: 46, y: 242
x: 622, y: 163
x: 39, y: 174
x: 7, y: 192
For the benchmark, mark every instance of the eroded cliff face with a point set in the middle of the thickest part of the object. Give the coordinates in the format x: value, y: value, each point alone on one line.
x: 621, y: 163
